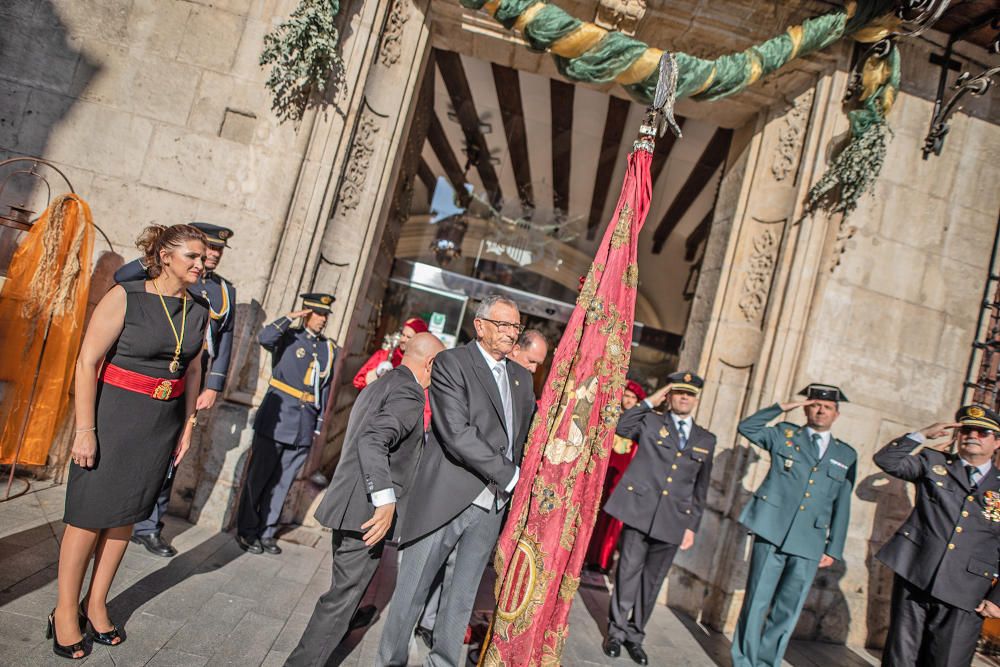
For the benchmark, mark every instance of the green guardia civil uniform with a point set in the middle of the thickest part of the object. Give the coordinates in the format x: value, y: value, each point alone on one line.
x: 798, y: 513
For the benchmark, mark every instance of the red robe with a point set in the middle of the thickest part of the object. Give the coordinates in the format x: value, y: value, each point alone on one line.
x: 607, y: 528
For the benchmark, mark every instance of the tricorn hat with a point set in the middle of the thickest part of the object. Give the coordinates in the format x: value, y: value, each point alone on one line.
x: 824, y: 392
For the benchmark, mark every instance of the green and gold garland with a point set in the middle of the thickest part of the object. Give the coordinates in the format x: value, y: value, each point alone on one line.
x: 303, y: 54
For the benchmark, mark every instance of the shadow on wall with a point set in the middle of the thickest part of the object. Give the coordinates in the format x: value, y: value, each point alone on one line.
x: 42, y: 73
x: 892, y: 506
x: 212, y: 482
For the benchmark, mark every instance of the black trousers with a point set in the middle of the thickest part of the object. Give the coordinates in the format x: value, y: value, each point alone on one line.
x: 925, y: 632
x: 354, y: 566
x: 642, y: 566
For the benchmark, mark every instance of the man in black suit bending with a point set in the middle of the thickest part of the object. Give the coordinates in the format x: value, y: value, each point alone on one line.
x: 381, y: 447
x: 482, y: 407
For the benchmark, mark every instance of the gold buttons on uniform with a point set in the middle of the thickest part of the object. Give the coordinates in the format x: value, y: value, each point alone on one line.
x: 807, y: 494
x: 815, y: 469
x: 673, y: 467
x: 970, y: 498
x: 629, y: 487
x: 801, y: 507
x: 958, y: 529
x: 812, y: 481
x: 670, y: 479
x: 965, y: 512
x: 951, y: 546
x: 679, y: 453
x: 659, y: 442
x: 665, y: 492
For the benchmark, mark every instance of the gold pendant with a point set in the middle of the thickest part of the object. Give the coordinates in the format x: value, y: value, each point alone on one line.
x: 174, y: 366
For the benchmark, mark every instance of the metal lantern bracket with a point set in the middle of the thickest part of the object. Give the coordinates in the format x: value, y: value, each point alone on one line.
x: 966, y: 83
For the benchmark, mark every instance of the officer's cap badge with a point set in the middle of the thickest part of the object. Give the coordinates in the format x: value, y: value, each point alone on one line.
x: 939, y: 470
x: 687, y: 377
x: 976, y: 411
x: 325, y: 300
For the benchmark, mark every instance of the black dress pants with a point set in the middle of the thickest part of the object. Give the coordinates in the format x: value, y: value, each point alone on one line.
x: 354, y: 566
x: 925, y: 632
x: 642, y: 566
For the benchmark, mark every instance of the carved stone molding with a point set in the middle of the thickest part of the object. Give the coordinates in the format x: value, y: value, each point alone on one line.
x: 620, y: 15
x: 358, y: 163
x: 791, y: 137
x: 760, y: 271
x: 392, y: 36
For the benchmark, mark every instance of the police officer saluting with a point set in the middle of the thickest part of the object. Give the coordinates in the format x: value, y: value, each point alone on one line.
x: 221, y: 297
x: 660, y: 499
x: 288, y: 418
x: 947, y: 553
x: 798, y: 516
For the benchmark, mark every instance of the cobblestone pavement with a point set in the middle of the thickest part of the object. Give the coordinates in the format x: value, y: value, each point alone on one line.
x: 215, y: 605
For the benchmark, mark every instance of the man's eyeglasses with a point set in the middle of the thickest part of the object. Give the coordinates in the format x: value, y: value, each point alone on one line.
x: 509, y: 326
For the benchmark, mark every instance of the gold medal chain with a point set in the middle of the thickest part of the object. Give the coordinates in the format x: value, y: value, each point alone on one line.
x: 175, y: 364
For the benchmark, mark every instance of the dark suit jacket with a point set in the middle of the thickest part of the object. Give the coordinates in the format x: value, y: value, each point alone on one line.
x: 663, y: 490
x: 947, y: 512
x: 468, y: 439
x: 384, y: 434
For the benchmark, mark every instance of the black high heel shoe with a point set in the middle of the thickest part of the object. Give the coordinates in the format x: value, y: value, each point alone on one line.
x: 59, y: 649
x: 107, y: 638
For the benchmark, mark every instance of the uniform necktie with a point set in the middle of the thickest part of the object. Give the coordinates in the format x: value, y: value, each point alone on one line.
x: 500, y: 373
x: 817, y: 439
x: 973, y: 473
x: 681, y: 435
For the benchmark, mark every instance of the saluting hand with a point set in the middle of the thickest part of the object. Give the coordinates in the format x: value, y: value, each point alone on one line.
x: 658, y: 396
x: 939, y: 429
x: 377, y: 526
x: 299, y: 313
x: 791, y: 405
x: 987, y: 609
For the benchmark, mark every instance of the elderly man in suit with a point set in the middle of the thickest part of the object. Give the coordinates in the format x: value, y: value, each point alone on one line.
x: 946, y: 555
x: 482, y: 408
x: 381, y: 447
x: 660, y: 500
x: 798, y: 516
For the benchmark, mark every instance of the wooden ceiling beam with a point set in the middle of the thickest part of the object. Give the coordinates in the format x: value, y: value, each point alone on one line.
x: 561, y: 104
x: 455, y: 80
x: 614, y: 128
x: 711, y: 158
x: 508, y: 87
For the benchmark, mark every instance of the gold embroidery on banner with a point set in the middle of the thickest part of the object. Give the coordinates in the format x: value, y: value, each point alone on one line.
x: 630, y: 278
x: 568, y: 587
x: 622, y: 227
x: 552, y: 653
x: 756, y: 68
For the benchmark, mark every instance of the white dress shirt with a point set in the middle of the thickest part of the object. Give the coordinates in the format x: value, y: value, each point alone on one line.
x: 824, y: 439
x: 486, y: 498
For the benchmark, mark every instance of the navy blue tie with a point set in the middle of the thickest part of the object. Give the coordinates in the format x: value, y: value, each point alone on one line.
x: 681, y: 435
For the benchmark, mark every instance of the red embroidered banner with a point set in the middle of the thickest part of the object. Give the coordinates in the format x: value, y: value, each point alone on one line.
x: 543, y: 545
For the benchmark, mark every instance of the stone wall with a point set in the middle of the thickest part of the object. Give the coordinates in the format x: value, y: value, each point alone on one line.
x: 883, y: 304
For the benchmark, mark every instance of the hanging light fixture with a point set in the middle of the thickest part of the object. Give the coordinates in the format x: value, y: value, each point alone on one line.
x: 447, y: 243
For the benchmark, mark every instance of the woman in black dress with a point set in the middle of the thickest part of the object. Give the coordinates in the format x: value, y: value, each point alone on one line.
x: 133, y: 423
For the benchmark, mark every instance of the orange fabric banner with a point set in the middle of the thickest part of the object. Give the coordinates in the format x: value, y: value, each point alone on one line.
x: 42, y: 310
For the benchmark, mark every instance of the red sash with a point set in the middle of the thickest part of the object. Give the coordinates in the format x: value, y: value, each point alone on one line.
x: 159, y: 388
